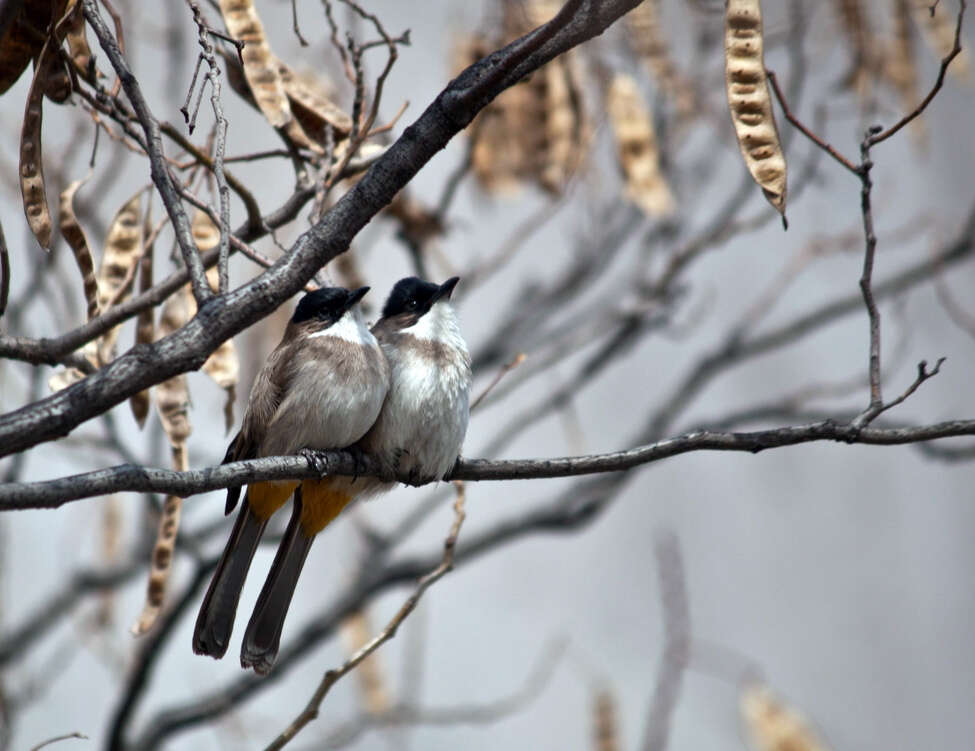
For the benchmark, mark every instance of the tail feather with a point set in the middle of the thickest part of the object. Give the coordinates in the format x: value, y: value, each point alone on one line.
x: 215, y: 622
x: 263, y: 635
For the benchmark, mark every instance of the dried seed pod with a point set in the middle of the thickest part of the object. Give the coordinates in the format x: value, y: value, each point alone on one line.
x: 116, y: 273
x: 311, y: 104
x: 74, y: 235
x: 750, y: 101
x: 864, y: 49
x: 938, y: 32
x: 111, y: 539
x: 773, y: 726
x: 172, y: 395
x: 636, y: 145
x: 261, y: 70
x: 23, y: 37
x: 65, y: 377
x: 161, y: 562
x: 648, y: 40
x: 222, y: 365
x: 262, y: 76
x: 77, y: 39
x: 606, y: 734
x: 355, y: 632
x: 31, y: 154
x: 145, y: 323
x: 901, y: 64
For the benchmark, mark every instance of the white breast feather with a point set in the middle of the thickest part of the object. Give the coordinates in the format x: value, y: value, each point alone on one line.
x: 426, y: 413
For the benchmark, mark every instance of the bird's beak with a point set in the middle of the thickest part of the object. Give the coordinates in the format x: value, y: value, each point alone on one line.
x: 355, y: 296
x: 445, y: 289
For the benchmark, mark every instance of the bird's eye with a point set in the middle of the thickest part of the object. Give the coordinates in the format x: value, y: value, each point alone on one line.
x: 411, y: 304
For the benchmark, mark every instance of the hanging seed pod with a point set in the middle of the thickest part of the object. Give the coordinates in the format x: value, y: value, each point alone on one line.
x: 32, y: 187
x: 648, y: 40
x: 863, y: 47
x: 636, y: 146
x: 161, y: 563
x: 111, y: 544
x: 606, y: 734
x: 222, y: 365
x: 23, y: 37
x: 355, y: 632
x: 901, y: 65
x: 773, y: 726
x: 311, y: 104
x: 750, y: 101
x: 261, y: 70
x: 145, y: 323
x: 116, y: 273
x: 172, y: 404
x: 74, y: 235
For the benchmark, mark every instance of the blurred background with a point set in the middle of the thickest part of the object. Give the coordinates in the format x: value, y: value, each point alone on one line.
x: 621, y: 247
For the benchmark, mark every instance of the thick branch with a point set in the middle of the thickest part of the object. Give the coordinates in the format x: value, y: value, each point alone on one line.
x: 222, y: 317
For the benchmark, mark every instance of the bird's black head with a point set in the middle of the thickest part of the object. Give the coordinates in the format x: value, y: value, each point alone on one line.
x: 327, y: 304
x: 415, y: 296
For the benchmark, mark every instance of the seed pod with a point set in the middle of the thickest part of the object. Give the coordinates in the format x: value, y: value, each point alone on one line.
x: 901, y: 64
x: 636, y: 145
x: 261, y: 70
x: 111, y: 543
x: 311, y: 104
x: 863, y: 47
x: 773, y: 726
x: 23, y: 38
x: 606, y: 734
x: 222, y: 365
x: 172, y: 395
x: 31, y: 155
x: 355, y: 632
x: 116, y: 273
x: 244, y: 23
x: 74, y: 235
x: 65, y: 377
x: 648, y: 40
x: 161, y: 562
x: 145, y: 323
x: 750, y: 101
x: 77, y: 40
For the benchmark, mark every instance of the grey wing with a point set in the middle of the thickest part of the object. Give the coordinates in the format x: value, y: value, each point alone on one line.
x: 265, y: 398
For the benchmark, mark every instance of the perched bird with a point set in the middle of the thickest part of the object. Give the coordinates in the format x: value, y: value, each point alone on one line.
x: 422, y: 424
x: 322, y: 388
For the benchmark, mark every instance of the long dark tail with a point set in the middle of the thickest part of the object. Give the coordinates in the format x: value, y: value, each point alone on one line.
x: 216, y: 619
x: 263, y: 635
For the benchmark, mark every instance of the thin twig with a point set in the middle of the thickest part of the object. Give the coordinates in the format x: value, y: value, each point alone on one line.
x: 332, y: 676
x: 797, y: 123
x: 505, y: 369
x: 58, y: 738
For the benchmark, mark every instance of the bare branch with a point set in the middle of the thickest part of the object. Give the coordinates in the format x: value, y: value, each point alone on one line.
x: 127, y: 477
x: 332, y: 676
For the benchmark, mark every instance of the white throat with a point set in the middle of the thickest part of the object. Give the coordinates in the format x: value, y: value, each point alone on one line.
x: 350, y: 327
x: 438, y: 324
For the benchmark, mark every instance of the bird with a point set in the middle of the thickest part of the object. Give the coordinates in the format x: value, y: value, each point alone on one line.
x: 421, y: 427
x: 321, y: 389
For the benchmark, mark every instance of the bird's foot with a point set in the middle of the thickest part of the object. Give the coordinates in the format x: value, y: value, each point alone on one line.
x: 317, y: 459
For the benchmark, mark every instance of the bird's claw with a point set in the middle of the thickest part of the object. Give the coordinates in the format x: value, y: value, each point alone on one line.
x: 317, y: 459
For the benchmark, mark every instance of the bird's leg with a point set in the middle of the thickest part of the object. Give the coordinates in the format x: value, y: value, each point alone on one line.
x: 317, y: 459
x: 358, y: 459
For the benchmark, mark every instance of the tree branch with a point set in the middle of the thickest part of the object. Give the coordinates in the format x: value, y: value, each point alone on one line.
x: 134, y: 478
x: 221, y: 318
